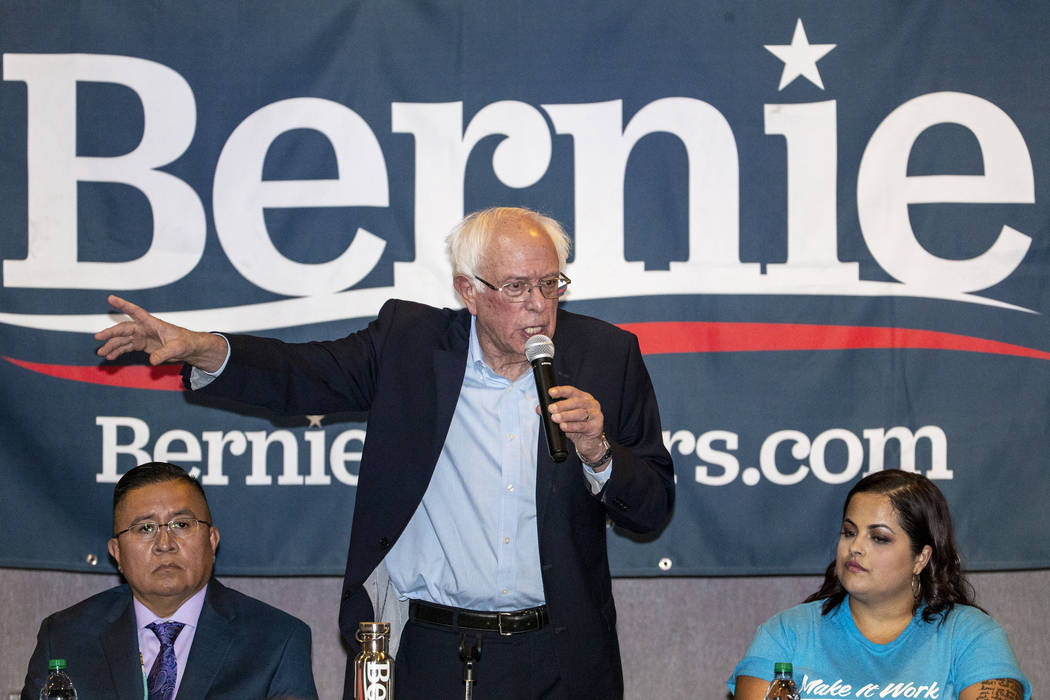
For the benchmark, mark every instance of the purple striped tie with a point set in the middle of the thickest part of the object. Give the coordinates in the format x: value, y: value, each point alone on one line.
x: 161, y: 679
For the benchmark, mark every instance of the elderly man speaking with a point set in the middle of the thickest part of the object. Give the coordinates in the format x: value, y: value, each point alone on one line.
x: 486, y: 537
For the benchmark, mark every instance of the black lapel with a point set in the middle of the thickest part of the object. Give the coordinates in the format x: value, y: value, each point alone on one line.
x: 450, y: 364
x: 545, y: 466
x: 120, y: 645
x: 211, y: 643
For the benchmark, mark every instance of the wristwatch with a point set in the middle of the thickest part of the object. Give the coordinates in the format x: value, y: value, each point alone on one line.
x: 606, y: 455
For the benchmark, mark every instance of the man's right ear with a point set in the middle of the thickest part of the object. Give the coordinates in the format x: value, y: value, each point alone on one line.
x: 467, y: 292
x: 114, y: 550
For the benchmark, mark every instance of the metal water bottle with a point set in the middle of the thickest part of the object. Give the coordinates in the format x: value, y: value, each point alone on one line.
x: 373, y: 667
x: 782, y: 687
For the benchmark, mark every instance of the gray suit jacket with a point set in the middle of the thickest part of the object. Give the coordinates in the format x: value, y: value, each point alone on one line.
x: 243, y: 649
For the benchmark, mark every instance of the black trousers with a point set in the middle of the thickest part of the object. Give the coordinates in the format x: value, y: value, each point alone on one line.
x: 515, y: 667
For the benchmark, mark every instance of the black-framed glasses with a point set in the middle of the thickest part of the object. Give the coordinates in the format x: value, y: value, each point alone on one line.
x: 518, y: 290
x: 179, y: 528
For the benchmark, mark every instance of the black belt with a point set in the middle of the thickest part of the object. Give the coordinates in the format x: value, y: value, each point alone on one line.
x: 506, y: 623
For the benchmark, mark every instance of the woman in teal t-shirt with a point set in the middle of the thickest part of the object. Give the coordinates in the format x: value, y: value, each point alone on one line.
x: 894, y: 618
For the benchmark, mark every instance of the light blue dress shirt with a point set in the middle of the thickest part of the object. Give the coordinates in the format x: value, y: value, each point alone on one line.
x: 473, y: 541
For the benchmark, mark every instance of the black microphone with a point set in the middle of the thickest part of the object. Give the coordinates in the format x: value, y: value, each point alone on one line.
x: 539, y: 350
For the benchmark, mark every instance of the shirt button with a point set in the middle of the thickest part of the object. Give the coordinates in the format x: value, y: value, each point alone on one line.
x: 504, y: 591
x: 510, y: 436
x: 510, y: 487
x: 506, y: 540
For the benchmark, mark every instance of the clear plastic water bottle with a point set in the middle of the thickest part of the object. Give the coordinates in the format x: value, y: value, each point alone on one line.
x: 58, y: 686
x: 782, y: 687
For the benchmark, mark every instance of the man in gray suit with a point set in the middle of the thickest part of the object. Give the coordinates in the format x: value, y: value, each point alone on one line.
x: 172, y: 631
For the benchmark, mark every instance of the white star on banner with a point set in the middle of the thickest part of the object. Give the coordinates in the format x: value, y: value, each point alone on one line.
x: 800, y: 58
x: 314, y: 421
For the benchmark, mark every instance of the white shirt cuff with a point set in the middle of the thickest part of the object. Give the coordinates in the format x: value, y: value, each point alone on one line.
x: 200, y: 378
x: 597, y: 480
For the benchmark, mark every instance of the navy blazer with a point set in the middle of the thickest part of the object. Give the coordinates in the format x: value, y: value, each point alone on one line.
x: 406, y: 370
x: 243, y: 649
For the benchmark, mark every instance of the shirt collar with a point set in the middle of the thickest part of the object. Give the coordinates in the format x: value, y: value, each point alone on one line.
x: 188, y: 613
x: 481, y: 370
x: 474, y: 357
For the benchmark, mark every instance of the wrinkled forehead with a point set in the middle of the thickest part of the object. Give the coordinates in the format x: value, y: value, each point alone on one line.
x: 520, y: 250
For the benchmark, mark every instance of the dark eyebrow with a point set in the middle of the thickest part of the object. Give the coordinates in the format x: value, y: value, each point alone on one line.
x: 153, y: 517
x: 873, y: 526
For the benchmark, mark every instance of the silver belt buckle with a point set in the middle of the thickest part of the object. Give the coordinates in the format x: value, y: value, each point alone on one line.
x: 499, y: 625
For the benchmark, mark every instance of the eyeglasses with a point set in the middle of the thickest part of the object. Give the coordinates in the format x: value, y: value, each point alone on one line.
x: 179, y: 528
x: 518, y: 290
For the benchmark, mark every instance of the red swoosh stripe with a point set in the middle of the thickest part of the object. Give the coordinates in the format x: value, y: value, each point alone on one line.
x: 655, y: 338
x: 162, y: 378
x: 658, y: 338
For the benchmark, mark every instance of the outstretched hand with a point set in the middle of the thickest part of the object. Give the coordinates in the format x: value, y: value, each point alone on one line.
x: 163, y: 341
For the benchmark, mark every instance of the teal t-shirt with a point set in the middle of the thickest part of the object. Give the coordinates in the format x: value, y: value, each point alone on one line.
x: 928, y: 661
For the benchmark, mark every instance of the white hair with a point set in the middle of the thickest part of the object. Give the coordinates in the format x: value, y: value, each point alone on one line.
x: 467, y: 241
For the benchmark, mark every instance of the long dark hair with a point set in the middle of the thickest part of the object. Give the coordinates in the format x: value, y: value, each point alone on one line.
x: 924, y: 515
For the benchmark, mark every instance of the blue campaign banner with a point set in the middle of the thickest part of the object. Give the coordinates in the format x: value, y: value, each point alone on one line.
x: 826, y: 222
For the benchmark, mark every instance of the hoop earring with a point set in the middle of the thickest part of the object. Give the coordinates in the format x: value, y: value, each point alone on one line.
x: 916, y: 587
